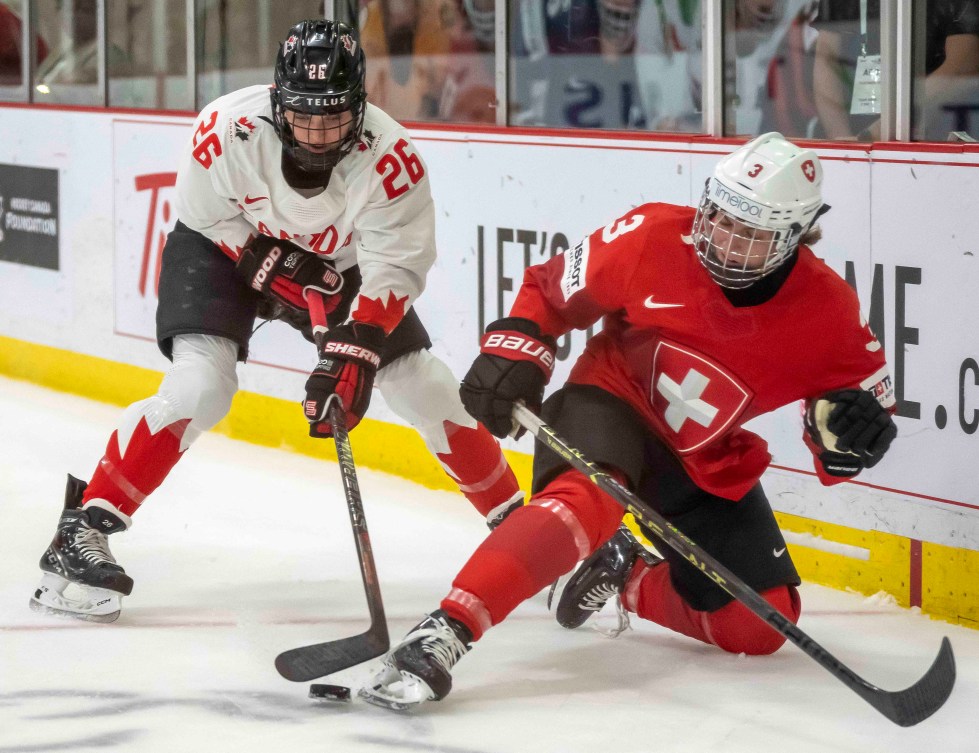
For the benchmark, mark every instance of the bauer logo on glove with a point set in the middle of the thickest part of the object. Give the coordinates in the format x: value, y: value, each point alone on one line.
x: 517, y: 346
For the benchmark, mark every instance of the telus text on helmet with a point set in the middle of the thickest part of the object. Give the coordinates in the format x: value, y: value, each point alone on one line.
x: 296, y: 100
x: 725, y: 198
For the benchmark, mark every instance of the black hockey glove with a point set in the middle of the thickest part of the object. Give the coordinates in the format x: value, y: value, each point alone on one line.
x: 515, y: 363
x: 850, y: 430
x: 349, y: 358
x: 287, y: 273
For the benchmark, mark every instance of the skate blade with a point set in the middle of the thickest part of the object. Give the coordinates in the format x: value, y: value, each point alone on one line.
x: 59, y: 597
x: 395, y: 690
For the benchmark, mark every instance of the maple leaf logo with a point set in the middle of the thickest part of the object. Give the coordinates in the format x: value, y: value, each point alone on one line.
x: 385, y: 315
x: 368, y: 141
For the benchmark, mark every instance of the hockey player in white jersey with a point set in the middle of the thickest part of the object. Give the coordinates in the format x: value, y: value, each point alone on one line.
x: 285, y: 192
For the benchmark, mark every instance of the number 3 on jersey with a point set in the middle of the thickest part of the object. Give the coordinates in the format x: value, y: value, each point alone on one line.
x: 621, y: 226
x: 391, y: 169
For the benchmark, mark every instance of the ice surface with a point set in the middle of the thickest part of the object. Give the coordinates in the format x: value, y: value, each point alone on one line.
x: 246, y: 551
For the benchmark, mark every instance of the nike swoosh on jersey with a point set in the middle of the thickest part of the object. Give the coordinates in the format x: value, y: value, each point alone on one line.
x: 650, y: 304
x: 250, y: 200
x: 778, y: 552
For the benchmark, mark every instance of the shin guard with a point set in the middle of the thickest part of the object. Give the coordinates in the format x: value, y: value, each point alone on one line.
x: 536, y: 544
x: 127, y: 475
x: 476, y: 463
x: 734, y: 628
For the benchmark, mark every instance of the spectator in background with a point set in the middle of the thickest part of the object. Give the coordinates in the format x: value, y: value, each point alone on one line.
x: 838, y: 46
x: 570, y: 90
x: 572, y: 64
x: 950, y: 66
x: 766, y: 81
x: 12, y: 45
x: 407, y: 43
x: 469, y: 92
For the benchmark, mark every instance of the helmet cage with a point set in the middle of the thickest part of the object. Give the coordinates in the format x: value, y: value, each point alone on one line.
x: 310, y: 160
x: 727, y: 254
x: 319, y: 73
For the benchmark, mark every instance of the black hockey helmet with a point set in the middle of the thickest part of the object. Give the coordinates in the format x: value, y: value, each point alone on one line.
x: 319, y: 71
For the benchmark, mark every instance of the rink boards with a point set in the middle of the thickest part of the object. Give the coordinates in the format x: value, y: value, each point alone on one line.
x: 86, y: 199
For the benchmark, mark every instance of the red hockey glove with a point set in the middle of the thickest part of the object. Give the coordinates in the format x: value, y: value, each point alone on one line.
x: 515, y: 363
x: 349, y: 359
x: 850, y: 431
x: 287, y: 273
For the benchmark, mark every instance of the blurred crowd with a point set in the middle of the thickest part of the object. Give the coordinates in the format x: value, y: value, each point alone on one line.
x: 806, y: 68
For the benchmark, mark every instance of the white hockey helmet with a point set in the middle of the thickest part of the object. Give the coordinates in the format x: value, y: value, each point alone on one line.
x: 761, y: 199
x: 482, y: 16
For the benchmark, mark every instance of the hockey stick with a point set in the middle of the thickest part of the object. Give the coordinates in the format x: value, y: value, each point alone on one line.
x: 904, y: 707
x: 320, y: 659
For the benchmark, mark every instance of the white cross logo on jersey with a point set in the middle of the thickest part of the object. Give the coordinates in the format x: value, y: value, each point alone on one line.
x: 684, y: 400
x: 695, y: 399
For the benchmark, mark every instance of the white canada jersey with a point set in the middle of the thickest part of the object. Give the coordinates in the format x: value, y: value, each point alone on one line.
x: 376, y: 212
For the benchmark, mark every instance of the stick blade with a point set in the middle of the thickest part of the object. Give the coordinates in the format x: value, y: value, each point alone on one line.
x: 320, y: 659
x: 915, y: 704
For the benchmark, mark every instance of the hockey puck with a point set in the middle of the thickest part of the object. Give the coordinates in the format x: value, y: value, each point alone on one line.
x: 329, y: 692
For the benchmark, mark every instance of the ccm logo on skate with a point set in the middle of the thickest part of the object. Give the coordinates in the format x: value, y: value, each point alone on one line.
x: 353, y: 351
x: 515, y: 345
x: 268, y: 263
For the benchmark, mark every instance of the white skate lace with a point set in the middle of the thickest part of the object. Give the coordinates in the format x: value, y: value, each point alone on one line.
x: 444, y: 645
x: 440, y: 641
x: 596, y: 597
x: 621, y: 620
x: 93, y: 546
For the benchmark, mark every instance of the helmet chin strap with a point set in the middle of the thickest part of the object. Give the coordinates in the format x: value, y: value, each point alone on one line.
x: 296, y: 177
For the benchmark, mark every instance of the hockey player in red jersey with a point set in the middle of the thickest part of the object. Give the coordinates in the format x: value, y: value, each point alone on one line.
x: 712, y: 316
x: 285, y: 192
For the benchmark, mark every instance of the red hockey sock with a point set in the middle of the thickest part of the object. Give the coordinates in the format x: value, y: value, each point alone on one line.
x: 476, y: 463
x: 535, y: 545
x: 125, y: 479
x: 650, y: 594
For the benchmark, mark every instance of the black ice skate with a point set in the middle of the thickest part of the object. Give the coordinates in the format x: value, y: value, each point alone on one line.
x: 600, y: 578
x: 81, y: 578
x: 418, y: 668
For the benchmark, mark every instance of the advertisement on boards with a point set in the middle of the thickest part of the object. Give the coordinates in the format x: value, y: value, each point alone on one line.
x: 505, y: 202
x: 29, y: 216
x: 143, y: 195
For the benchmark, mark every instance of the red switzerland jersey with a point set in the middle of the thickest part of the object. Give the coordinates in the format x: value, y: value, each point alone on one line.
x: 693, y: 365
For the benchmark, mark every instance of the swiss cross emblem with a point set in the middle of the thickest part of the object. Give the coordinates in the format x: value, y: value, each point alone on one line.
x: 694, y: 399
x: 809, y: 170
